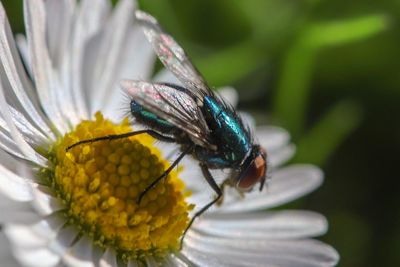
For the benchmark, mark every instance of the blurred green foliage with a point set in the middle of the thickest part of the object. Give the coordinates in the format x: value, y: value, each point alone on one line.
x: 328, y: 71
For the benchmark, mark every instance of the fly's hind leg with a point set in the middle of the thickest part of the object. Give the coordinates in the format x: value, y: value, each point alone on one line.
x: 215, y: 187
x: 165, y: 173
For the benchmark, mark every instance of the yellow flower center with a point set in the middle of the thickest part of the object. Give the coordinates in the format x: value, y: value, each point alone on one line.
x: 100, y: 184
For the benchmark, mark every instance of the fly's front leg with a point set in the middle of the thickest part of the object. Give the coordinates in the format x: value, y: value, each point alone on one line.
x: 215, y: 187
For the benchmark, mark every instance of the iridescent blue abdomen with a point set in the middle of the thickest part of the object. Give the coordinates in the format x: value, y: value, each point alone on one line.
x: 149, y: 118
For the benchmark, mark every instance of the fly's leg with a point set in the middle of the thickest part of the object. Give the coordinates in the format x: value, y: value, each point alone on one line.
x: 166, y: 172
x: 152, y: 133
x: 215, y: 187
x: 222, y: 187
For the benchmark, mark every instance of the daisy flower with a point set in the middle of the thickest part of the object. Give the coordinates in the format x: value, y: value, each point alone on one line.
x: 77, y: 207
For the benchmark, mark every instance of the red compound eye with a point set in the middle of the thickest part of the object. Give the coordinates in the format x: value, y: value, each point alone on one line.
x: 253, y: 174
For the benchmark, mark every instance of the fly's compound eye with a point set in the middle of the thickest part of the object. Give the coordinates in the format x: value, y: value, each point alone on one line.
x: 253, y: 174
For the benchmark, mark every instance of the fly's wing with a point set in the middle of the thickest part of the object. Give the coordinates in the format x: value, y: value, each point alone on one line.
x: 172, y: 55
x: 173, y: 105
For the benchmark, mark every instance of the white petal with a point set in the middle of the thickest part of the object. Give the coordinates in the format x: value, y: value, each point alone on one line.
x: 112, y: 46
x: 310, y: 253
x: 264, y: 225
x: 285, y: 185
x: 49, y: 226
x: 151, y: 262
x: 24, y: 236
x: 30, y: 133
x: 271, y: 137
x: 229, y: 95
x: 6, y: 257
x: 22, y: 45
x: 210, y: 260
x: 36, y: 257
x: 63, y: 240
x: 59, y: 16
x: 247, y: 119
x: 15, y: 212
x: 44, y: 203
x: 178, y: 260
x: 14, y: 186
x: 24, y: 147
x: 166, y: 76
x: 16, y: 75
x: 277, y: 157
x: 97, y: 255
x: 109, y: 259
x: 9, y: 146
x: 80, y: 254
x: 137, y: 64
x: 47, y: 85
x: 89, y: 21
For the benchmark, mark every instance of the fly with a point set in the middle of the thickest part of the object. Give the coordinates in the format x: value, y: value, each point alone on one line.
x: 195, y: 118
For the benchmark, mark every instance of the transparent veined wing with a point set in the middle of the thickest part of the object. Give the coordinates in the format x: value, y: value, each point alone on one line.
x: 173, y: 105
x: 172, y: 55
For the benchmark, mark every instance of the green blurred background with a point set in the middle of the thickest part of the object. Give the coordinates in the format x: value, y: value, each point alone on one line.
x: 327, y: 71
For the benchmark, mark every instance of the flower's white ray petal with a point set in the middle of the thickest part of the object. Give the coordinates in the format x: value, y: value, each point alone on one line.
x: 22, y: 45
x: 97, y: 255
x: 44, y: 203
x: 248, y: 120
x: 5, y: 253
x: 41, y: 257
x: 9, y: 146
x: 151, y: 262
x: 23, y: 236
x: 210, y: 260
x: 63, y: 240
x: 109, y: 259
x: 47, y: 84
x: 13, y: 186
x: 264, y: 225
x: 17, y: 212
x: 18, y: 166
x: 49, y: 226
x: 134, y: 65
x: 303, y: 252
x: 59, y: 21
x: 137, y: 65
x: 112, y: 44
x: 89, y: 21
x: 16, y: 74
x: 174, y: 261
x: 31, y: 134
x: 24, y: 147
x: 279, y: 156
x: 271, y: 137
x: 166, y: 76
x: 80, y: 254
x: 285, y: 185
x: 183, y: 259
x: 229, y: 95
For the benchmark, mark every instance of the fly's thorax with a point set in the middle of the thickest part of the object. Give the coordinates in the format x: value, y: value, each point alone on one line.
x: 228, y: 132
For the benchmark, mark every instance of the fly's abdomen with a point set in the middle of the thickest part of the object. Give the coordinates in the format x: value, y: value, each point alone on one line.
x: 150, y: 119
x: 232, y: 138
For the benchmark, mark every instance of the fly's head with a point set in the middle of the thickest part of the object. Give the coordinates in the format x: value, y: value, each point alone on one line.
x: 253, y: 170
